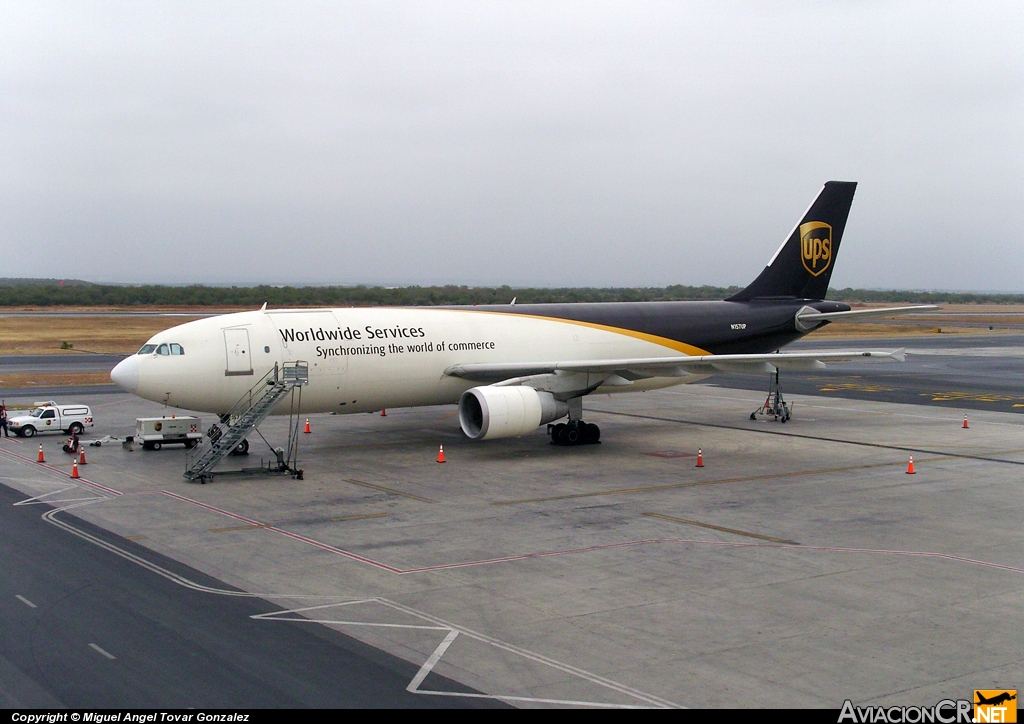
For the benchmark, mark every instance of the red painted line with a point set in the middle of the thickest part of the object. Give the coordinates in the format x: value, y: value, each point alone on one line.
x: 295, y: 536
x: 832, y: 549
x: 53, y: 469
x: 210, y: 507
x: 541, y: 554
x: 922, y: 554
x: 586, y: 549
x: 11, y: 439
x: 339, y: 551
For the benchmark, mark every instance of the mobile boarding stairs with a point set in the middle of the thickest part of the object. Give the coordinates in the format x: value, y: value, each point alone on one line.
x: 254, y: 407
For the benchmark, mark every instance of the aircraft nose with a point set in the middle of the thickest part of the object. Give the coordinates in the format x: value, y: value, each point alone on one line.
x: 126, y: 374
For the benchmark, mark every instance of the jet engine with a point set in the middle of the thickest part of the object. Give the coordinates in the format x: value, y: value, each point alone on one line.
x: 490, y: 412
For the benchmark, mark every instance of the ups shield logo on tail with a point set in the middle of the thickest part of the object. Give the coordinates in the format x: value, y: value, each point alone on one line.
x: 816, y: 247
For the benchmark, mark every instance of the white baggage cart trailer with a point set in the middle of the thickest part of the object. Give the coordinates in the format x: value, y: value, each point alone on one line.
x: 155, y: 432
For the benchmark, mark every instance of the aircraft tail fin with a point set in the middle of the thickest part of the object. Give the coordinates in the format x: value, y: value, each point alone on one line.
x: 803, y: 265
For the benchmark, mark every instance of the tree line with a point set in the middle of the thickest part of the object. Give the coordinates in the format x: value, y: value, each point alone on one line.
x: 75, y: 293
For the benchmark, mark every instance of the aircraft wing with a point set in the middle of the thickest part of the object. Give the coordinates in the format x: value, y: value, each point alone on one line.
x: 808, y: 315
x: 668, y: 366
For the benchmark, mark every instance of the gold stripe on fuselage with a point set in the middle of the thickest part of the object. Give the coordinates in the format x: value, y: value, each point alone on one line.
x: 687, y: 349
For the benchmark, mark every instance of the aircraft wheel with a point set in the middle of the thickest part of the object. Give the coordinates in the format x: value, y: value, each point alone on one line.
x: 591, y: 434
x: 572, y: 435
x: 556, y: 434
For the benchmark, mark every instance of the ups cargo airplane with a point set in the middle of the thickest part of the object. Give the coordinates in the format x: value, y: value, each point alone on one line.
x: 512, y: 368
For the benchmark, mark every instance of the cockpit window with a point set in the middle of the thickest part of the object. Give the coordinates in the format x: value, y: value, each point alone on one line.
x: 177, y: 349
x: 162, y: 349
x: 148, y: 349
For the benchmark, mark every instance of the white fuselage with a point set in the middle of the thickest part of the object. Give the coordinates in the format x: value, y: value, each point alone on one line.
x: 365, y: 359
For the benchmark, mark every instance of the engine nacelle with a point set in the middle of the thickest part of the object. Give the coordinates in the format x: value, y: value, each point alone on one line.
x: 490, y: 412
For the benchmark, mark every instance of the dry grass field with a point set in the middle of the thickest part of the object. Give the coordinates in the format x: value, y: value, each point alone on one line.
x: 109, y: 335
x: 27, y: 381
x: 948, y: 319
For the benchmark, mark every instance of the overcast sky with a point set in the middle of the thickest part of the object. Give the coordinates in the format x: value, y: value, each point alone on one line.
x: 548, y: 143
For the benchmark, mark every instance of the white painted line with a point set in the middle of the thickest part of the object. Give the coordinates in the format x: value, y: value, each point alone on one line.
x: 41, y: 499
x: 431, y: 662
x: 647, y: 700
x: 26, y: 601
x: 97, y: 648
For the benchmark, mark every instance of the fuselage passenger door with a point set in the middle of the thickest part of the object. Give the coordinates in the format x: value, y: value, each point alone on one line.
x: 239, y: 356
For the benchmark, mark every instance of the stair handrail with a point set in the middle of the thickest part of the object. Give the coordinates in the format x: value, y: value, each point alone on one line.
x: 277, y: 381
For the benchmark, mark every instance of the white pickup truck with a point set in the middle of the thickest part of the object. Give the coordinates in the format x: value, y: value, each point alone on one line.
x: 51, y: 417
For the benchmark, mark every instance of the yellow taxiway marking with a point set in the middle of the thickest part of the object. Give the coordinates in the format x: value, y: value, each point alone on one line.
x: 134, y: 537
x: 240, y: 527
x: 719, y: 481
x: 389, y: 490
x: 818, y: 438
x: 360, y: 517
x: 954, y: 396
x: 271, y: 525
x: 750, y: 478
x: 720, y: 528
x: 838, y: 386
x: 445, y: 417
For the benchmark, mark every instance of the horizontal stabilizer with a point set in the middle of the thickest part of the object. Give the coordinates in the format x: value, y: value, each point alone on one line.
x: 808, y: 315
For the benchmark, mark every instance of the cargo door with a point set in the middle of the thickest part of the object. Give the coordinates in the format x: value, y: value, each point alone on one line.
x: 236, y: 348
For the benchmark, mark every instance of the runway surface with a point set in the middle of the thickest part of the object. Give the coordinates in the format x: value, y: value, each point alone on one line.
x: 86, y: 628
x: 58, y: 363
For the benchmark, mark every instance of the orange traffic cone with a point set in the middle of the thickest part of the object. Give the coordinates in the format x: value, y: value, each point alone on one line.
x: 383, y: 413
x: 40, y: 459
x: 307, y: 430
x: 965, y: 422
x: 74, y: 469
x: 910, y: 466
x: 700, y: 458
x: 81, y: 456
x: 440, y: 454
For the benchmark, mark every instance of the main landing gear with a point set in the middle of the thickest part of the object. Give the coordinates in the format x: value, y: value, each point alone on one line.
x: 774, y: 406
x: 575, y: 431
